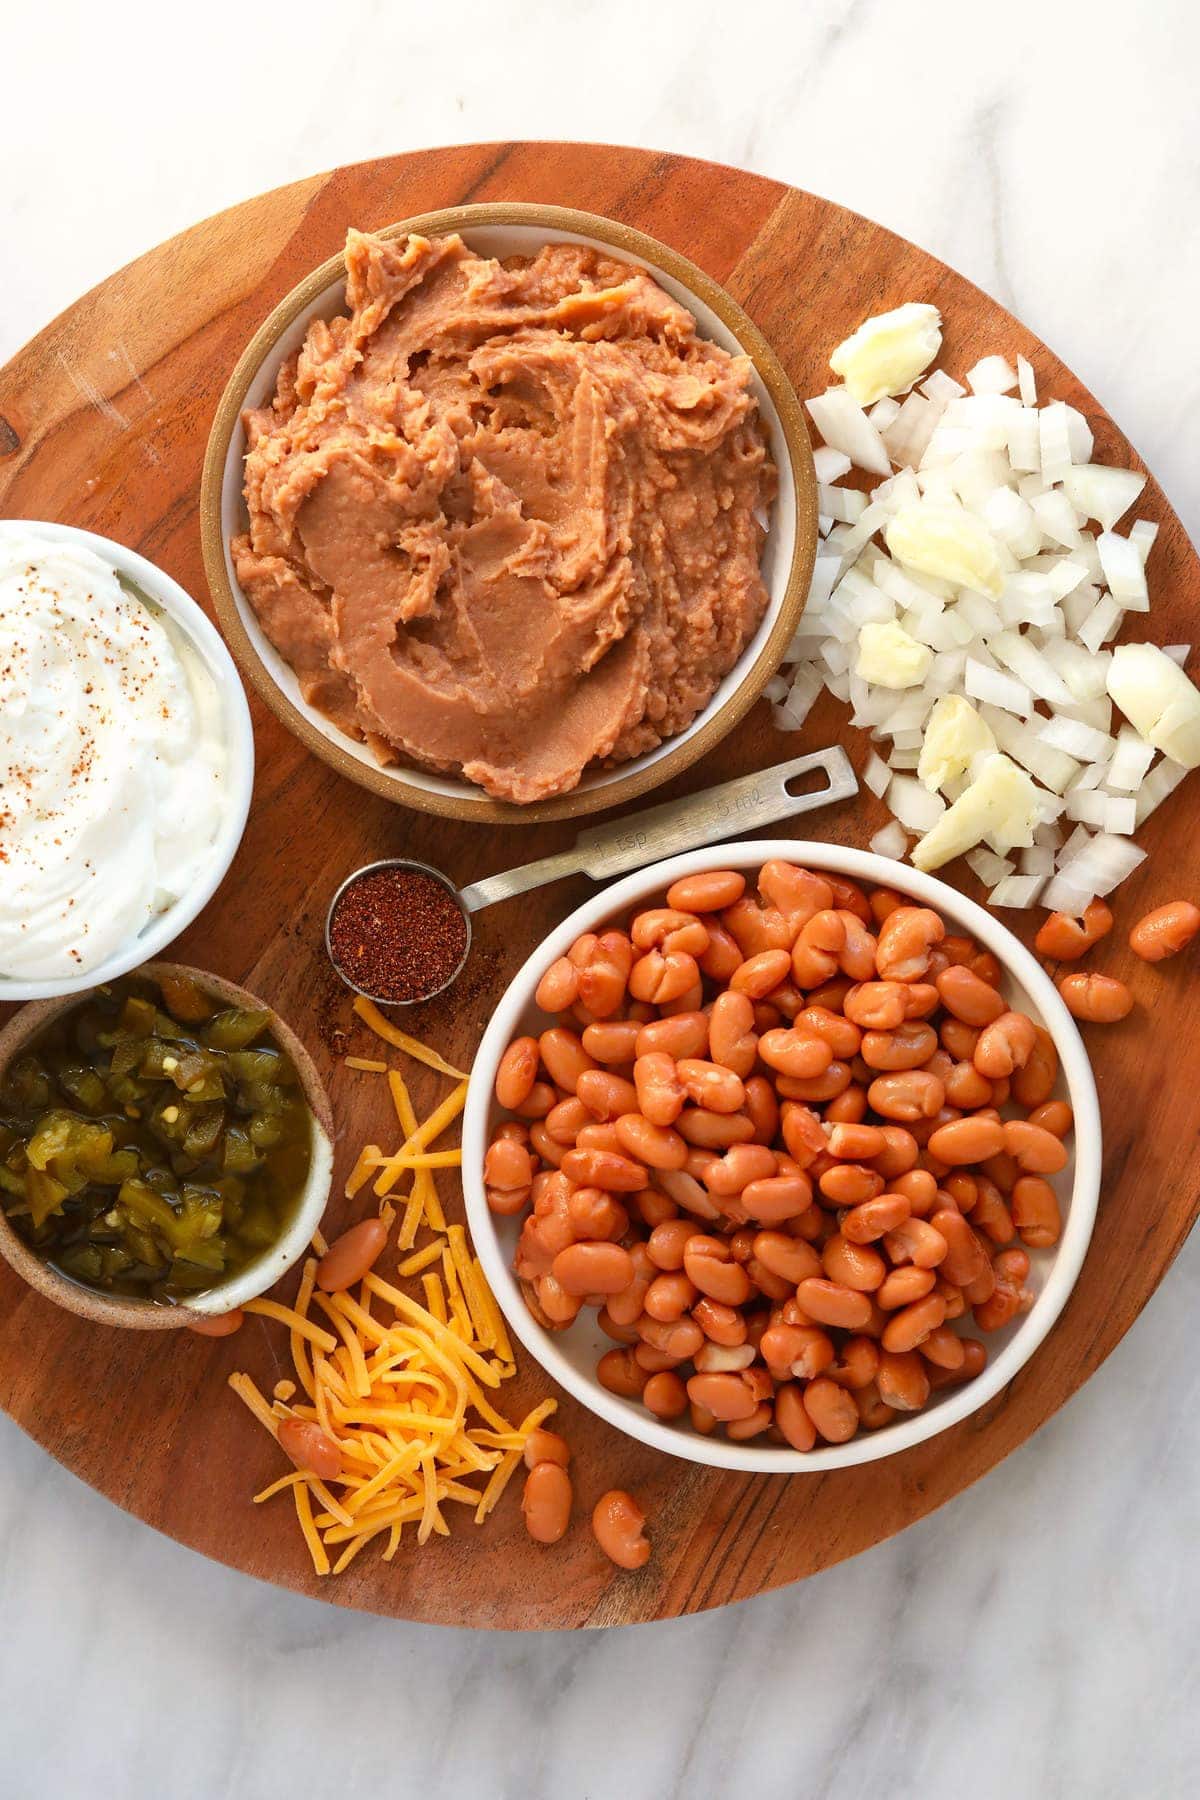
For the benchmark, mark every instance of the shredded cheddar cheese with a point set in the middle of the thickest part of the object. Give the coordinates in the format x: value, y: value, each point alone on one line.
x: 402, y: 1389
x: 370, y: 1015
x: 403, y: 1398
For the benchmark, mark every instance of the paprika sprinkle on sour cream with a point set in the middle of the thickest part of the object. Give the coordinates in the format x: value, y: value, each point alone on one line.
x: 397, y: 934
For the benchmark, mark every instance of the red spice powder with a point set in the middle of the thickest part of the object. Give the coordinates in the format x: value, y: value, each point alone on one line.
x: 398, y: 934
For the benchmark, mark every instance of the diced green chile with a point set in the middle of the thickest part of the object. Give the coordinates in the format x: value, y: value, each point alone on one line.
x: 151, y: 1144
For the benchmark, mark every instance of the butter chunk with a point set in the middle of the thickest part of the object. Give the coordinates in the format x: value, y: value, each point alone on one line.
x: 1000, y: 805
x: 888, y: 657
x: 940, y: 538
x: 887, y: 353
x: 955, y: 737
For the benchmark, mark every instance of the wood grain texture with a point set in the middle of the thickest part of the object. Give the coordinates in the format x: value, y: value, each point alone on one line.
x: 103, y: 421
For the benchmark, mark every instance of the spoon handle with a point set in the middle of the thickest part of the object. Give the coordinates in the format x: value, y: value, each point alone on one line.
x: 746, y: 804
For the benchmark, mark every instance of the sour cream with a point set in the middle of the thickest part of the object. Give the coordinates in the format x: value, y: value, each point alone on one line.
x: 113, y: 774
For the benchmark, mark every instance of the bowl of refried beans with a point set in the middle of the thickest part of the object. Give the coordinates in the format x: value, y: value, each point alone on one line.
x: 509, y: 512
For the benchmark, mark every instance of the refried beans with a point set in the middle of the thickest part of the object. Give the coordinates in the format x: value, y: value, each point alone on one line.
x: 506, y: 518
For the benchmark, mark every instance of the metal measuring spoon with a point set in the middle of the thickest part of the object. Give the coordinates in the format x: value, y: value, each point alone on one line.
x: 631, y: 842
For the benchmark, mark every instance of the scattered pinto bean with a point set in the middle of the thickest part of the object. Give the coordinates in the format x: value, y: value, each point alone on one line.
x: 1097, y: 999
x: 1165, y: 931
x: 310, y: 1448
x: 617, y: 1525
x: 546, y: 1502
x: 219, y: 1325
x: 1062, y: 938
x: 545, y: 1446
x: 351, y: 1256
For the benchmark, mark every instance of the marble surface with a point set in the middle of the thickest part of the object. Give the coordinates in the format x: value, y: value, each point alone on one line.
x: 1038, y: 1636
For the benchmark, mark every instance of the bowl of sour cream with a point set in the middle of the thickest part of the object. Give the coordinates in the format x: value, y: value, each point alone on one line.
x: 126, y: 760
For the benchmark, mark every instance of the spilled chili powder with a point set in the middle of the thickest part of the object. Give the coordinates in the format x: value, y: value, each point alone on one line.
x: 398, y: 934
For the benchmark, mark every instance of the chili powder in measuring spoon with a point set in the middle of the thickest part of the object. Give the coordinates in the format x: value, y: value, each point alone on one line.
x: 397, y: 934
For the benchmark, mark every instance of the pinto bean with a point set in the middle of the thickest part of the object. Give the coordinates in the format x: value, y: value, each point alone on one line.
x: 1004, y: 1045
x: 853, y: 1265
x: 709, y: 1085
x: 969, y: 999
x: 830, y: 1303
x: 1165, y: 931
x: 1062, y: 938
x: 909, y: 1046
x: 1035, y: 1212
x: 906, y: 939
x: 1037, y: 1152
x: 903, y: 1381
x: 792, y: 1417
x: 907, y: 1096
x: 831, y: 1409
x: 877, y: 1005
x: 605, y: 1095
x: 712, y: 1270
x: 1033, y: 1084
x: 1097, y: 999
x: 612, y: 1041
x: 516, y: 1071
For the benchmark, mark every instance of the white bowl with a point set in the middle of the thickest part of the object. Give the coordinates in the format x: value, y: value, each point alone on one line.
x: 570, y: 1356
x: 787, y: 553
x: 206, y: 641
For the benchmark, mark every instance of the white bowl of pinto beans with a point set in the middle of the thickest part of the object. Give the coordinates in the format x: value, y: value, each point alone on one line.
x: 781, y: 1156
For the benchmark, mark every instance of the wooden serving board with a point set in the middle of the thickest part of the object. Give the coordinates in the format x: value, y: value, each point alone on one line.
x: 103, y: 422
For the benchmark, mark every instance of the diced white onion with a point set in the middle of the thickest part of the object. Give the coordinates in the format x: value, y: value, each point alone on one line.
x: 876, y: 774
x: 992, y: 375
x: 989, y: 867
x: 916, y: 808
x: 830, y: 465
x: 996, y: 688
x: 1013, y: 582
x: 1123, y: 571
x: 1101, y: 493
x: 1077, y: 739
x: 1016, y: 890
x: 891, y: 840
x: 845, y: 427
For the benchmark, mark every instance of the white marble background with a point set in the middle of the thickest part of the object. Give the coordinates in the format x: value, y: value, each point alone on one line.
x: 1037, y: 1638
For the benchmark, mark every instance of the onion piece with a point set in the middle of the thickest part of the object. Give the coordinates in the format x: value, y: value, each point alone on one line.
x: 845, y: 427
x: 992, y: 375
x: 1158, y: 700
x: 829, y: 464
x: 890, y: 840
x: 1102, y: 493
x: 1028, y: 385
x: 1017, y: 890
x: 1123, y: 571
x: 989, y: 867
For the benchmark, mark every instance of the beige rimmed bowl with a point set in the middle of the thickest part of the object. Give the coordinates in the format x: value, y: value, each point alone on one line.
x: 507, y: 229
x: 151, y: 1315
x: 570, y: 1356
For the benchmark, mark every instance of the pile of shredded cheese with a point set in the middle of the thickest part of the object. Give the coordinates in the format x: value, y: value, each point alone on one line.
x: 401, y: 1388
